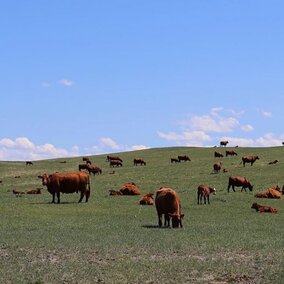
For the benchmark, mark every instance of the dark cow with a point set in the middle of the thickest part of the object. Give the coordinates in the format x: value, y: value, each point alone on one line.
x: 217, y: 167
x: 203, y: 191
x: 83, y: 167
x: 224, y: 143
x: 283, y: 143
x: 239, y: 181
x: 110, y: 158
x: 67, y: 183
x: 18, y: 192
x: 34, y: 191
x: 147, y: 199
x: 115, y: 163
x: 93, y: 169
x: 86, y: 159
x: 168, y: 203
x: 273, y: 162
x: 183, y: 158
x: 249, y: 159
x: 231, y: 153
x: 139, y: 161
x: 29, y: 163
x: 218, y: 155
x: 175, y: 160
x: 263, y: 208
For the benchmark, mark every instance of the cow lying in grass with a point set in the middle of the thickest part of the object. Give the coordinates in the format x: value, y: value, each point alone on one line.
x: 273, y: 192
x: 129, y: 188
x: 147, y: 199
x: 263, y: 208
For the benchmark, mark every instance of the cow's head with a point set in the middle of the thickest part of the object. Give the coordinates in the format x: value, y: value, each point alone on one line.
x: 250, y: 186
x: 257, y: 158
x: 213, y: 190
x: 44, y: 178
x: 176, y: 219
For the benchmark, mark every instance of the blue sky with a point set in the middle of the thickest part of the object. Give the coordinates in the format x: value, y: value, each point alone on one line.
x: 91, y: 77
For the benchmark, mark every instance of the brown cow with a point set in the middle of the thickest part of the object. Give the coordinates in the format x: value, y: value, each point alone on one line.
x: 249, y: 159
x: 224, y: 143
x: 92, y: 169
x: 147, y: 199
x: 263, y: 208
x: 218, y: 155
x: 110, y: 157
x: 139, y: 161
x: 83, y: 167
x: 231, y: 153
x: 67, y: 183
x: 29, y: 163
x: 114, y: 192
x: 115, y: 163
x: 239, y: 181
x: 18, y: 192
x: 217, y: 167
x: 203, y: 191
x: 273, y: 192
x: 34, y: 191
x: 183, y: 158
x: 86, y: 159
x: 129, y: 188
x: 175, y: 160
x: 273, y: 162
x: 168, y: 203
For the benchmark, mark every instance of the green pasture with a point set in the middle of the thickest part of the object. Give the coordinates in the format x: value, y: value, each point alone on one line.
x: 112, y: 239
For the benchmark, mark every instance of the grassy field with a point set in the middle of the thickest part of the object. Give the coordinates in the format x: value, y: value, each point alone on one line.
x: 112, y: 239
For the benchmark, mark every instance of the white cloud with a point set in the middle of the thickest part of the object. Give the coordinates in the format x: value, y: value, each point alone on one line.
x: 247, y: 128
x: 267, y: 113
x: 66, y: 82
x: 108, y: 142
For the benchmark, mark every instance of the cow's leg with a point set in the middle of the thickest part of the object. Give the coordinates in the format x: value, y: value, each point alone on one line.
x: 228, y: 187
x: 197, y: 198
x: 233, y: 188
x: 53, y: 197
x: 81, y: 197
x: 204, y: 199
x: 87, y: 195
x: 58, y: 197
x: 167, y: 220
x: 160, y: 220
x: 208, y: 199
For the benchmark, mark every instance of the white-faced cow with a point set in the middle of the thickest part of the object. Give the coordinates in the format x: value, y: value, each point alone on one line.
x: 168, y: 204
x: 67, y: 183
x: 249, y: 159
x: 239, y: 181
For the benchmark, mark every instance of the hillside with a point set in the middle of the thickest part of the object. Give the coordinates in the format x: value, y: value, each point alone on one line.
x: 115, y: 240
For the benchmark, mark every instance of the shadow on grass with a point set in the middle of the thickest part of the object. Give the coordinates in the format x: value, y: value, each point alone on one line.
x: 154, y: 227
x: 61, y: 203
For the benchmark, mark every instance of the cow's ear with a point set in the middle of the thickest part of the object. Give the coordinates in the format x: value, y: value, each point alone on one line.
x: 181, y: 216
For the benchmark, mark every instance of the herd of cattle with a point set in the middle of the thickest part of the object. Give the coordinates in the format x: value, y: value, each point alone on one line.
x: 167, y: 200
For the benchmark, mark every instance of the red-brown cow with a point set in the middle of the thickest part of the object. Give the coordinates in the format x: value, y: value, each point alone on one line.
x: 34, y: 191
x: 67, y: 183
x: 249, y: 159
x: 183, y: 158
x: 92, y: 169
x: 129, y: 188
x: 239, y: 181
x: 203, y: 191
x: 273, y: 192
x: 217, y: 167
x: 263, y: 208
x: 224, y: 143
x: 147, y: 199
x: 168, y: 204
x: 86, y: 159
x: 273, y: 162
x: 110, y: 157
x: 218, y: 155
x: 175, y: 160
x: 115, y: 163
x: 231, y: 153
x: 139, y: 161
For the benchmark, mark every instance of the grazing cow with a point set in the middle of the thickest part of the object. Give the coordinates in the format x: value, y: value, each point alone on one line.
x: 263, y: 208
x: 168, y: 204
x: 67, y: 183
x: 94, y: 169
x: 18, y: 192
x: 218, y: 155
x: 115, y: 163
x: 249, y: 159
x: 239, y: 181
x: 86, y: 159
x: 175, y: 160
x: 283, y: 143
x: 273, y: 192
x: 217, y: 167
x: 183, y: 158
x: 110, y: 158
x: 231, y: 153
x: 147, y: 199
x: 273, y: 162
x: 34, y: 191
x: 224, y: 143
x: 203, y: 191
x: 139, y: 161
x: 29, y: 163
x: 83, y: 167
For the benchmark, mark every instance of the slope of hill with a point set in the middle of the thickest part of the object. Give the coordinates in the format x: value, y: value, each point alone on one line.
x: 115, y: 240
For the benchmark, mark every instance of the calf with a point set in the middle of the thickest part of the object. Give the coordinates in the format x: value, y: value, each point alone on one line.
x: 147, y: 199
x: 263, y: 208
x: 204, y: 191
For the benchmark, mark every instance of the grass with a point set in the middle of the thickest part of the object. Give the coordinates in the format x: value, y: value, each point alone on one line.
x: 115, y: 240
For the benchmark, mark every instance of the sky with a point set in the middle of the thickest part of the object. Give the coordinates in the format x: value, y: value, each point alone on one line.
x: 91, y: 77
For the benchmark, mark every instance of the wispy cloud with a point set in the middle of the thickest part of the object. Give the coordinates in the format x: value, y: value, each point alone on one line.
x: 45, y: 84
x: 66, y: 82
x: 267, y: 113
x: 247, y: 128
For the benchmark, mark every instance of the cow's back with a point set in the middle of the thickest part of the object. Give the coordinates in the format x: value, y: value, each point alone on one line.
x: 167, y: 201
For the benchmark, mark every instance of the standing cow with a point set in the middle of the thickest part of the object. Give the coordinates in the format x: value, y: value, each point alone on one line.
x: 218, y: 155
x: 231, y: 153
x: 203, y: 191
x: 139, y: 161
x: 249, y: 159
x: 183, y: 158
x: 217, y: 167
x: 239, y: 181
x: 67, y: 183
x: 223, y: 143
x: 168, y: 204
